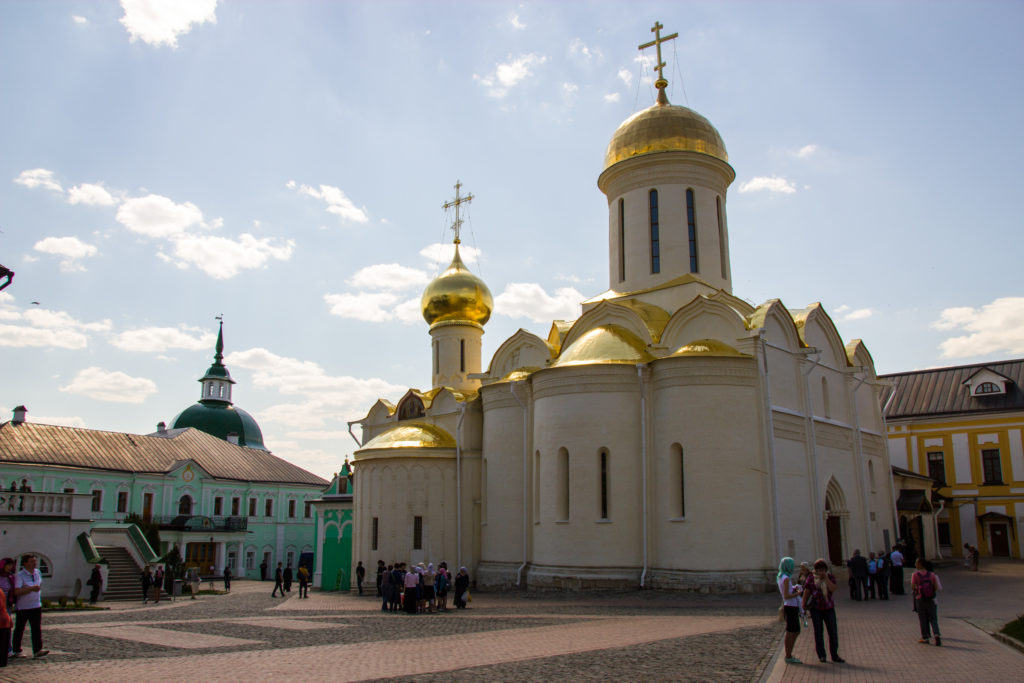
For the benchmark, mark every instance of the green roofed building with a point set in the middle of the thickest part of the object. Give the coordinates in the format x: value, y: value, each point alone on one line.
x: 213, y: 489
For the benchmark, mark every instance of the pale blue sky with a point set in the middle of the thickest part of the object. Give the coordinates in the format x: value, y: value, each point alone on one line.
x: 262, y: 165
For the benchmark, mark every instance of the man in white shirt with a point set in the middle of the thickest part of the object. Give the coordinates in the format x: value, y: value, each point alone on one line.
x: 896, y: 558
x: 28, y: 584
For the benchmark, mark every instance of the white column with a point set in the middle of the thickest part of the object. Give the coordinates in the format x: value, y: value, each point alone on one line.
x: 318, y: 550
x: 221, y: 556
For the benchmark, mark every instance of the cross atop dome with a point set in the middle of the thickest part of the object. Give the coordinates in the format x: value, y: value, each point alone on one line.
x: 661, y: 83
x: 456, y: 203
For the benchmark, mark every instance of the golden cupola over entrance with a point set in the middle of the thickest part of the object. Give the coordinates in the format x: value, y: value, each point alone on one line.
x: 456, y: 304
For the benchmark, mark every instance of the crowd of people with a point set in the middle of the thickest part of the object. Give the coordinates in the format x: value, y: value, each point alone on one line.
x: 420, y: 588
x: 810, y: 591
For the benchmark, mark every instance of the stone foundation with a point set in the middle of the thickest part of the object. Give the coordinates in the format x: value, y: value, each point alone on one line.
x: 500, y: 575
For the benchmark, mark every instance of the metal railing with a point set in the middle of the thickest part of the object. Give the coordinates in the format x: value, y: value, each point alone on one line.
x: 201, y: 522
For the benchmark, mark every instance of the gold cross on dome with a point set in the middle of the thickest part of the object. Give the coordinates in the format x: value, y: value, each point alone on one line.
x: 456, y: 203
x: 661, y: 83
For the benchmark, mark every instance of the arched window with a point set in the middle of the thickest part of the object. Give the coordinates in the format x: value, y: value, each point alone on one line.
x: 871, y: 475
x: 987, y: 388
x: 691, y: 230
x: 536, y: 487
x: 677, y: 466
x: 722, y: 247
x: 622, y: 240
x: 655, y: 240
x: 185, y: 504
x: 826, y: 402
x: 563, y: 485
x: 462, y: 355
x: 602, y: 464
x: 436, y: 354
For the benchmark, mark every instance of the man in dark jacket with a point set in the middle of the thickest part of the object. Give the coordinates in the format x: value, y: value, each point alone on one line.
x: 859, y: 571
x: 278, y: 581
x: 288, y: 579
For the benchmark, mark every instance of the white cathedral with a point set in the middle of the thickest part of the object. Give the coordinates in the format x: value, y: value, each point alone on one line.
x: 672, y: 436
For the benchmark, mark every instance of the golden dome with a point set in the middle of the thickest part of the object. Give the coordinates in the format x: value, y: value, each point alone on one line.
x: 605, y: 344
x: 457, y: 295
x: 664, y: 128
x: 708, y: 347
x: 412, y: 435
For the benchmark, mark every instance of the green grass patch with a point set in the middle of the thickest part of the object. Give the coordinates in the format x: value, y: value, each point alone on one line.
x: 1015, y: 629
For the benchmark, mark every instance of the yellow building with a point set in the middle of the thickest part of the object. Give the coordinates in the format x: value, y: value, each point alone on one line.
x: 961, y: 426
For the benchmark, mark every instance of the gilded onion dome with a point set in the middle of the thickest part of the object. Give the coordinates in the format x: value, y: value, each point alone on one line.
x: 664, y: 128
x: 457, y: 295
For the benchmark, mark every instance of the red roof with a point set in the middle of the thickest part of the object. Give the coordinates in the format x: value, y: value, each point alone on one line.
x: 38, y: 444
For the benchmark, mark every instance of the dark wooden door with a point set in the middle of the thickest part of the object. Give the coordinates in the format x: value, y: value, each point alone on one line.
x: 833, y: 529
x: 1000, y: 540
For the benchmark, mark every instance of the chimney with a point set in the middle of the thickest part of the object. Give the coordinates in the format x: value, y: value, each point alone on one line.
x: 161, y: 427
x: 233, y: 437
x: 19, y: 415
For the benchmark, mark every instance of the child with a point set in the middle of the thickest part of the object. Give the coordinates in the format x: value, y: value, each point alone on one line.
x: 5, y: 628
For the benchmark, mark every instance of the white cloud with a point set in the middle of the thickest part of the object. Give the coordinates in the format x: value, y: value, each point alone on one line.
x: 807, y: 151
x: 79, y: 20
x: 92, y: 194
x: 367, y: 306
x: 508, y: 74
x: 442, y: 254
x: 224, y: 257
x: 324, y: 398
x: 529, y: 300
x: 42, y: 317
x: 38, y: 177
x: 160, y: 22
x: 337, y: 202
x: 646, y: 63
x: 160, y: 339
x: 578, y: 48
x: 612, y: 97
x: 626, y: 76
x: 410, y: 311
x: 390, y: 276
x: 157, y: 216
x: 859, y: 314
x: 513, y: 20
x: 114, y: 387
x: 569, y: 89
x: 20, y: 336
x: 69, y: 421
x: 771, y: 184
x: 994, y: 327
x: 70, y: 248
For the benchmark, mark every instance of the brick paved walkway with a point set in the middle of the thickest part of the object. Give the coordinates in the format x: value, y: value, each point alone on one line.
x: 634, y: 636
x: 878, y: 639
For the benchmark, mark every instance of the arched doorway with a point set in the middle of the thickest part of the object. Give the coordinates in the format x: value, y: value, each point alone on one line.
x: 835, y: 522
x: 185, y: 505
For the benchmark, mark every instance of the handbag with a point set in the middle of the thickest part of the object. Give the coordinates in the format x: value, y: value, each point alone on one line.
x: 782, y: 613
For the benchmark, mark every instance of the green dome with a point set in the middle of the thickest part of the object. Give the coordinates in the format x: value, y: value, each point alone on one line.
x: 220, y: 419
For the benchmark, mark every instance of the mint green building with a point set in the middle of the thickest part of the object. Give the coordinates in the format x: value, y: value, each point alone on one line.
x: 334, y: 565
x: 215, y: 491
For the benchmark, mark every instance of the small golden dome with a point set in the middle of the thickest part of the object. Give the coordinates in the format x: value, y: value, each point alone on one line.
x: 708, y: 347
x: 457, y: 295
x: 412, y: 435
x: 664, y: 128
x: 607, y: 344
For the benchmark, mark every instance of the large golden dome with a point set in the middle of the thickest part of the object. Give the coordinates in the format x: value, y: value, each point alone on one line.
x: 664, y: 128
x: 457, y: 295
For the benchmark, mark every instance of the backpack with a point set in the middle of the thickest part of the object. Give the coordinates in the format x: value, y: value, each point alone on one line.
x: 441, y: 582
x: 926, y: 587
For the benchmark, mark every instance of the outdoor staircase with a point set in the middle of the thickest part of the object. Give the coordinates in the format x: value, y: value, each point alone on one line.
x: 123, y: 576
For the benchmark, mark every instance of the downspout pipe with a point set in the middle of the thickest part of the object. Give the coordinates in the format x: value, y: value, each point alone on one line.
x: 891, y: 478
x: 809, y: 407
x: 526, y: 462
x: 458, y: 484
x: 859, y: 442
x: 643, y: 463
x: 935, y: 528
x: 770, y: 428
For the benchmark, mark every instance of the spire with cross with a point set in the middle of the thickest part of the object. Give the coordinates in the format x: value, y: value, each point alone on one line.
x: 456, y: 203
x: 661, y: 83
